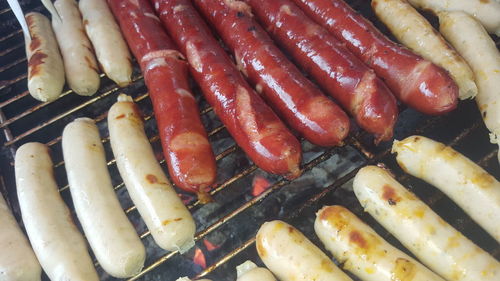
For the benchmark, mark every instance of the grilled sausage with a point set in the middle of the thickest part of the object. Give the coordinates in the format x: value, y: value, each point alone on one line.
x: 414, y: 31
x: 340, y: 73
x: 476, y: 46
x: 433, y: 241
x: 45, y: 65
x: 110, y: 47
x: 58, y: 245
x: 362, y: 251
x: 17, y: 260
x: 485, y: 11
x: 291, y: 256
x: 253, y: 125
x: 111, y: 236
x: 169, y: 221
x: 248, y: 271
x: 466, y: 183
x: 415, y: 81
x: 79, y: 61
x: 188, y: 153
x: 281, y: 84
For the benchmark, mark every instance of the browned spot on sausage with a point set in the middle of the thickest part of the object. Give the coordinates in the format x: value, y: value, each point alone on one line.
x: 120, y: 116
x: 35, y: 43
x: 335, y: 215
x: 356, y: 238
x: 484, y: 1
x: 165, y: 222
x: 326, y: 265
x: 483, y: 180
x: 151, y: 178
x: 290, y: 229
x: 178, y: 219
x: 390, y: 195
x: 260, y: 249
x: 85, y: 22
x: 30, y: 21
x: 404, y: 270
x: 34, y: 63
x: 91, y: 64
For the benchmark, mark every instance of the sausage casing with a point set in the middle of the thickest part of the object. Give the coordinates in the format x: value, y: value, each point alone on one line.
x: 110, y: 47
x: 476, y: 46
x: 362, y: 251
x: 80, y: 64
x: 283, y: 86
x: 17, y: 260
x: 413, y: 80
x: 292, y: 257
x: 433, y: 241
x: 485, y: 11
x: 111, y: 236
x: 466, y: 183
x: 45, y: 65
x: 415, y: 32
x: 248, y: 271
x: 57, y: 243
x: 252, y: 124
x: 169, y: 221
x: 340, y: 73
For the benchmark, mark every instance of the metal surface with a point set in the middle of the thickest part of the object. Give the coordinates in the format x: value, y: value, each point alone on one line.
x: 226, y: 228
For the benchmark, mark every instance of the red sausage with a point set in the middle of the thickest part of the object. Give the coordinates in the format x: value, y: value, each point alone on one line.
x: 340, y: 73
x: 253, y: 125
x: 415, y: 81
x: 189, y: 156
x: 281, y: 84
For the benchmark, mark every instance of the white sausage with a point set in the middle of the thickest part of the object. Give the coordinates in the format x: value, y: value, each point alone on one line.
x: 45, y: 65
x: 479, y: 50
x: 110, y: 47
x: 485, y: 11
x: 248, y: 271
x: 292, y: 257
x: 17, y: 260
x: 362, y: 251
x: 414, y: 31
x: 111, y: 236
x: 466, y: 183
x: 433, y: 241
x: 169, y: 221
x: 58, y: 245
x: 79, y: 61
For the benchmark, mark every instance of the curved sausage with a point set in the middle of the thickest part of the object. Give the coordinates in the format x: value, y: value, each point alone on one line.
x: 188, y: 153
x: 169, y: 221
x: 415, y: 81
x: 485, y: 11
x: 248, y: 271
x: 45, y: 65
x: 17, y: 260
x: 362, y: 251
x: 415, y: 32
x: 253, y: 125
x: 80, y: 64
x: 340, y: 73
x: 111, y: 236
x: 110, y: 47
x: 478, y: 49
x: 58, y: 245
x: 292, y: 257
x: 466, y: 183
x: 433, y: 241
x: 281, y: 84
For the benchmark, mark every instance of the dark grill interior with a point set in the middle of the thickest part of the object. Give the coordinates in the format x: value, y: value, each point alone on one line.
x: 230, y: 223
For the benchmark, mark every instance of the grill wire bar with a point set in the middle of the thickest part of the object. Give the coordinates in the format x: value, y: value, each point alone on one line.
x: 232, y: 220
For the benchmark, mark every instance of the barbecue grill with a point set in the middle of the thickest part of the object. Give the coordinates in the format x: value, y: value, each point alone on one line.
x: 244, y: 196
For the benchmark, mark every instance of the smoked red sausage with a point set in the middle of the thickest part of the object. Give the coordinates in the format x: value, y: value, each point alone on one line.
x: 340, y: 73
x: 281, y: 84
x: 253, y: 125
x: 188, y: 153
x: 414, y: 80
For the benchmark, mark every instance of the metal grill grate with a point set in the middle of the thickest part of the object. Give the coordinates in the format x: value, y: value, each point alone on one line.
x: 227, y: 227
